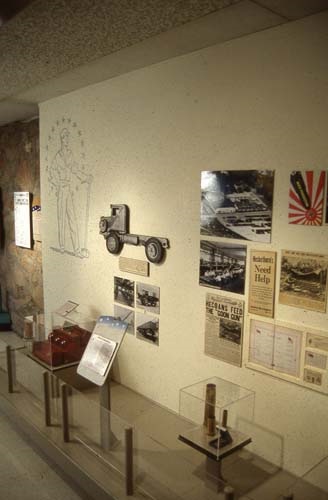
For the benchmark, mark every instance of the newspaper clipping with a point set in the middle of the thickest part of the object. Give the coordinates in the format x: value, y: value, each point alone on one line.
x: 303, y: 280
x: 262, y: 283
x: 224, y: 328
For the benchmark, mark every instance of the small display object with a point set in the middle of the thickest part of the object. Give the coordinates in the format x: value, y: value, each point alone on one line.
x: 115, y: 230
x: 102, y: 349
x: 217, y: 411
x: 64, y: 345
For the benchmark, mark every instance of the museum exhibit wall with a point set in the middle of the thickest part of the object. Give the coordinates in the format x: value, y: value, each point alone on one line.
x: 142, y: 139
x: 20, y: 268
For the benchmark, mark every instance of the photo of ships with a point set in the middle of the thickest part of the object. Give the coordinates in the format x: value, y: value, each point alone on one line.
x: 237, y: 204
x: 303, y: 280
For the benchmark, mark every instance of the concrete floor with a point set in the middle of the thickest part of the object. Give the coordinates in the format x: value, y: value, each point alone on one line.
x: 25, y: 474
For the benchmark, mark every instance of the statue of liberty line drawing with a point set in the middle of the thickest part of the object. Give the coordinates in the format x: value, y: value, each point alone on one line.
x: 71, y: 185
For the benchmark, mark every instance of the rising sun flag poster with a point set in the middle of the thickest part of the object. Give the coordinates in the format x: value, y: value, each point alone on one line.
x: 306, y: 195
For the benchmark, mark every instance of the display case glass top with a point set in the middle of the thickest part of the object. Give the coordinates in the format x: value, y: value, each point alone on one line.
x: 218, y: 411
x: 66, y: 341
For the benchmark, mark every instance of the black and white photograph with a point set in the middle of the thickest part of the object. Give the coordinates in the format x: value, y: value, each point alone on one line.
x: 303, y: 280
x: 237, y: 204
x: 147, y: 328
x: 147, y: 297
x: 230, y: 330
x: 124, y: 291
x: 126, y: 315
x: 222, y: 266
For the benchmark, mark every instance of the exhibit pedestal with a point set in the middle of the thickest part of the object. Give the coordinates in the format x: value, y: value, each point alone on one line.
x: 199, y: 439
x: 218, y: 411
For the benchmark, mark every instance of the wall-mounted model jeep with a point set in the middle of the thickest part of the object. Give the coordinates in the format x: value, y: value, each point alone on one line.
x: 115, y: 230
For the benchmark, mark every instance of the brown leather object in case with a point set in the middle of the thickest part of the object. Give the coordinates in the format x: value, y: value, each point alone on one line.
x: 64, y: 345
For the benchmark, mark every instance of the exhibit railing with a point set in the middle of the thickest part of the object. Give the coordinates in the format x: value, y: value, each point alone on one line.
x: 119, y: 457
x: 92, y: 437
x: 312, y: 484
x: 148, y: 468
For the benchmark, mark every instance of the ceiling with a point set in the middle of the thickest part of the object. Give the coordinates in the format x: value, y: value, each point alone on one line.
x: 51, y: 47
x: 9, y: 8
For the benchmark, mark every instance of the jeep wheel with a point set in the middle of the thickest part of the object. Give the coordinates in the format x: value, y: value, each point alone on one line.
x: 113, y: 243
x: 154, y: 250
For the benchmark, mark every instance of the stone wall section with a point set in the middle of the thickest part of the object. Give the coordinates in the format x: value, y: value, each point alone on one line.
x: 20, y: 268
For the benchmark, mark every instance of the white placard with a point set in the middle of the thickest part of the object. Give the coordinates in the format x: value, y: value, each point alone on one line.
x: 99, y: 354
x: 102, y: 348
x: 66, y: 308
x: 22, y: 219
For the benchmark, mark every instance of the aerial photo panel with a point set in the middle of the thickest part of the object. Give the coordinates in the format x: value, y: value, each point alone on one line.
x: 237, y: 204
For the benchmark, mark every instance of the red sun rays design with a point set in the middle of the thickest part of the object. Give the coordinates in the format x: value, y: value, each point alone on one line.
x: 312, y: 215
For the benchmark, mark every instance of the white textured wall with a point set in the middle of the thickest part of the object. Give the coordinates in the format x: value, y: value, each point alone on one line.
x: 254, y: 103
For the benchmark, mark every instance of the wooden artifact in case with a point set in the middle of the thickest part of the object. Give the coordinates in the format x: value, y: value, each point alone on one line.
x: 67, y: 340
x: 64, y: 345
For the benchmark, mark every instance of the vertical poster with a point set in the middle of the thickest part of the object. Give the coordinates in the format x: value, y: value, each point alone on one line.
x: 306, y: 195
x: 303, y: 280
x: 22, y: 212
x: 262, y: 283
x: 224, y: 328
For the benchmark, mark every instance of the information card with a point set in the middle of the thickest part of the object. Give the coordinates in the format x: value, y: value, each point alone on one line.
x: 22, y: 219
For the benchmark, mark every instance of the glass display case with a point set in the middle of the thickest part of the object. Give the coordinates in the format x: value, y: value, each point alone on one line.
x: 66, y: 341
x: 217, y: 410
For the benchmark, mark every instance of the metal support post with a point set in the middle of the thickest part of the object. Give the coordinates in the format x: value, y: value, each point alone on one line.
x: 46, y: 392
x: 229, y: 493
x: 10, y: 369
x: 108, y: 439
x: 129, y: 461
x: 65, y: 416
